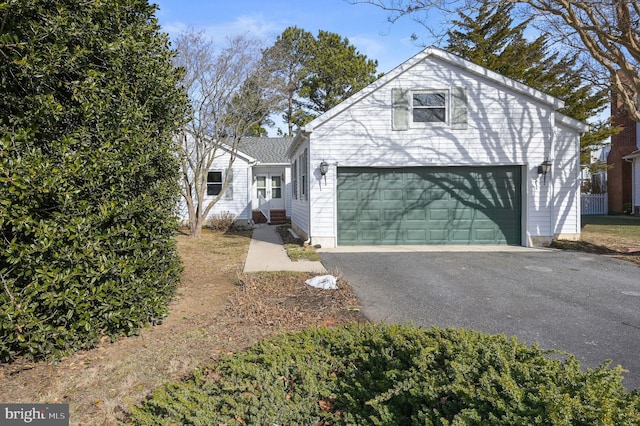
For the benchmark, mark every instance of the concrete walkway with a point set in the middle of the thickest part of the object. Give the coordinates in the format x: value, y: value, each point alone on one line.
x: 267, y: 253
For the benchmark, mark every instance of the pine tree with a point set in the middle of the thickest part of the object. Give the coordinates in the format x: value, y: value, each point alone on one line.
x: 317, y: 73
x: 489, y: 38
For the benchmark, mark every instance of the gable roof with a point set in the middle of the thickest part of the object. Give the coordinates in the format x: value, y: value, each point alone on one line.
x: 452, y: 59
x: 266, y: 150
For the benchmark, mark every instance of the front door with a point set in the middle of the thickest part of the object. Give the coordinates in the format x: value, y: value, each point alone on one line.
x: 269, y: 186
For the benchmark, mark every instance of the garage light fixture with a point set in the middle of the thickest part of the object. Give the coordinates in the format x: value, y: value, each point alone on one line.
x: 544, y: 168
x: 324, y: 169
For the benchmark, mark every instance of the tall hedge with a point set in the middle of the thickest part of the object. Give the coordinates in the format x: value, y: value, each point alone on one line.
x: 89, y: 102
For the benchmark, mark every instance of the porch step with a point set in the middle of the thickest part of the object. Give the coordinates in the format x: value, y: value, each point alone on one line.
x: 278, y: 217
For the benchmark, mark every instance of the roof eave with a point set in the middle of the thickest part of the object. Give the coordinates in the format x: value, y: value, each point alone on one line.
x: 632, y: 156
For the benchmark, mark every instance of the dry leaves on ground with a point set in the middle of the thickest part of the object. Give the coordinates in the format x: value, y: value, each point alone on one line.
x: 218, y: 310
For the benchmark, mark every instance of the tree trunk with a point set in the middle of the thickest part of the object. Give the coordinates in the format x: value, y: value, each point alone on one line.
x: 195, y: 228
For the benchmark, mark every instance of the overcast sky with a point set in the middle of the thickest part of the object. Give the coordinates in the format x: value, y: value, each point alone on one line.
x: 366, y: 26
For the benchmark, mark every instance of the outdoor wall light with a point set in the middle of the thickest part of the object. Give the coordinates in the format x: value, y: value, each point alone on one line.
x: 544, y: 168
x: 324, y: 169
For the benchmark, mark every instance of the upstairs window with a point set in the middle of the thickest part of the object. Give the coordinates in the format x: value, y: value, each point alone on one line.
x: 429, y: 107
x: 421, y: 108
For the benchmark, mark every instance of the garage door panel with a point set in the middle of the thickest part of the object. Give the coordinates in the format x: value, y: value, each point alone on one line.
x: 419, y: 215
x: 429, y: 205
x: 393, y: 195
x: 370, y: 215
x: 415, y: 235
x: 438, y: 214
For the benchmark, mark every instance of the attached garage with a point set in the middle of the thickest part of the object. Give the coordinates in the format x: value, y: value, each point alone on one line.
x: 438, y: 151
x: 429, y: 205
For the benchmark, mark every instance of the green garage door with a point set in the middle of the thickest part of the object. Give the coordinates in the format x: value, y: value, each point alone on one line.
x: 429, y: 205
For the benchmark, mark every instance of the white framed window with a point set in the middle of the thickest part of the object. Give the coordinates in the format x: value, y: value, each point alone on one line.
x: 429, y: 106
x: 214, y: 182
x: 294, y: 178
x: 304, y: 171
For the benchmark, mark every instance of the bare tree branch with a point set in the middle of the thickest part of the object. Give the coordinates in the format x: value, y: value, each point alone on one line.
x: 605, y: 32
x: 230, y: 94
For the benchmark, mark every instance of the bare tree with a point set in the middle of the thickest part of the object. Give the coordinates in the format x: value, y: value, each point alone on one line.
x: 230, y: 94
x: 606, y: 32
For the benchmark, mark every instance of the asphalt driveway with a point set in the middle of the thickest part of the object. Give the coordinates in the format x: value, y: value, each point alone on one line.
x: 584, y: 304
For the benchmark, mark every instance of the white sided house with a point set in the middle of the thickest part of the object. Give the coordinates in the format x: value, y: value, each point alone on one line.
x: 634, y: 159
x: 259, y: 188
x: 438, y: 151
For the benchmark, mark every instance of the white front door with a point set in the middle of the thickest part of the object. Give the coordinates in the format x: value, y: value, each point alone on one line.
x: 270, y: 187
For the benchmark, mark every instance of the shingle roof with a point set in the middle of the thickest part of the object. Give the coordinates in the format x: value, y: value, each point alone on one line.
x: 266, y: 150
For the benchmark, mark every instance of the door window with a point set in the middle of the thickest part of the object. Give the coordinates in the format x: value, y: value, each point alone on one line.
x: 276, y: 187
x: 261, y: 185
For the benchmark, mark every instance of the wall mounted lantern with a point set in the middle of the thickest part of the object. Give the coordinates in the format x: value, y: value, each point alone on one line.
x: 544, y: 168
x: 324, y: 169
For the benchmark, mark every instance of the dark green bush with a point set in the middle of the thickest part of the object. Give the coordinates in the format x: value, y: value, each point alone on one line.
x: 393, y: 375
x: 88, y: 185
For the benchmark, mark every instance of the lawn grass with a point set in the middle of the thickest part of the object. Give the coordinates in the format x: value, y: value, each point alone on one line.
x: 612, y: 235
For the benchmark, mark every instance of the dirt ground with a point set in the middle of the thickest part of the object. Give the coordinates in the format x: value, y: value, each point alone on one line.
x: 218, y: 310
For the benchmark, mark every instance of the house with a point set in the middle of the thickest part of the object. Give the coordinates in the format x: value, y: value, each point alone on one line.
x: 622, y: 174
x: 438, y: 151
x: 634, y: 159
x: 259, y: 187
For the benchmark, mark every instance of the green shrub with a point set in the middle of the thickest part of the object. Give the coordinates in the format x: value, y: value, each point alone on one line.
x: 88, y: 173
x: 393, y: 375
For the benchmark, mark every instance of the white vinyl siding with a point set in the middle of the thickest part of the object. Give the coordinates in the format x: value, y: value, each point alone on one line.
x: 635, y: 172
x: 496, y: 126
x: 234, y: 199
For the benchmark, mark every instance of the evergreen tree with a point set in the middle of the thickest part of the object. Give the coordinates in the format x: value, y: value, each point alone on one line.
x: 287, y: 60
x: 335, y: 71
x: 88, y: 173
x: 317, y: 73
x: 489, y: 38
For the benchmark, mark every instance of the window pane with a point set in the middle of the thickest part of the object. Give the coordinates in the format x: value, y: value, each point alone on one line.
x: 429, y: 115
x: 214, y: 183
x: 428, y: 99
x: 214, y: 188
x: 276, y: 193
x: 214, y: 177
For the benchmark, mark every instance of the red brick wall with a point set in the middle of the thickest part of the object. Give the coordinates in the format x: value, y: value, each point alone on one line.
x: 619, y: 175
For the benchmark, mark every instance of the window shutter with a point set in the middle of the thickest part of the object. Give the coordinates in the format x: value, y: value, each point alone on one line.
x: 401, y: 110
x: 228, y: 194
x: 458, y: 108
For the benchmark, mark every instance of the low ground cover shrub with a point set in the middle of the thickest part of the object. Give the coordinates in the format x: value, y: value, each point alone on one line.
x: 394, y: 375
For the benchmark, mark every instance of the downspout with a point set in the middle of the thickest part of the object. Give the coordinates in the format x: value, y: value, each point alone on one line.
x: 307, y: 139
x: 552, y: 226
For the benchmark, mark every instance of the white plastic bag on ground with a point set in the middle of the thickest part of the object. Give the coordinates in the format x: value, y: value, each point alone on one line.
x: 325, y: 282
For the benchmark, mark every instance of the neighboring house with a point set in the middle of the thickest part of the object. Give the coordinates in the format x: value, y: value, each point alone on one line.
x: 622, y: 174
x: 260, y: 181
x: 438, y: 151
x: 634, y: 159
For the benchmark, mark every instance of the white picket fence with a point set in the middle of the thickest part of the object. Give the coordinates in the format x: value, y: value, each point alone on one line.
x: 594, y: 204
